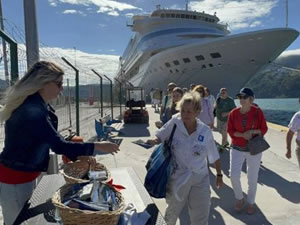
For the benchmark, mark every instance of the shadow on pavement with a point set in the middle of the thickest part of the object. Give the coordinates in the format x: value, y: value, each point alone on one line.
x: 286, y: 189
x: 226, y: 201
x: 135, y: 130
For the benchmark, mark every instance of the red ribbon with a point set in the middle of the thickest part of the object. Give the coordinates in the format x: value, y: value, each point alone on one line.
x: 117, y: 187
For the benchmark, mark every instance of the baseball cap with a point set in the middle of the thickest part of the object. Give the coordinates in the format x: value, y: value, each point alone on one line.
x: 246, y: 91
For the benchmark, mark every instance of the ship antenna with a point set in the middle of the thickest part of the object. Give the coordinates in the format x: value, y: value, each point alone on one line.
x: 187, y: 5
x: 287, y: 13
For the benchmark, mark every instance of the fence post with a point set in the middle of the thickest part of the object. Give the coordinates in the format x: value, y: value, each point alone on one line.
x: 111, y: 97
x: 76, y: 94
x: 14, y: 69
x: 120, y: 96
x: 100, y: 91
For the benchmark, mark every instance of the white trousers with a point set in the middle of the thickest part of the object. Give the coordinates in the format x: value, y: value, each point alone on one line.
x: 237, y: 159
x: 196, y: 194
x: 12, y: 199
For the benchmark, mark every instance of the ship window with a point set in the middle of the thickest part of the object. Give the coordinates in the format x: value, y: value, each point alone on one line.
x: 194, y: 17
x: 173, y: 15
x: 203, y: 67
x: 162, y: 15
x: 206, y: 19
x: 167, y: 15
x: 171, y: 71
x: 182, y: 16
x: 176, y: 62
x: 199, y: 57
x: 186, y: 60
x: 177, y: 15
x: 215, y: 55
x: 211, y: 65
x: 252, y: 61
x: 177, y: 70
x: 213, y: 21
x: 219, y: 64
x: 168, y: 64
x: 187, y: 16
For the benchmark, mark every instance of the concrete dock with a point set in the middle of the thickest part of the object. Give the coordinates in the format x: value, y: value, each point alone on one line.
x: 278, y: 197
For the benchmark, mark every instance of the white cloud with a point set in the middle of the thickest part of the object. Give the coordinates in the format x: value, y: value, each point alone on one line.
x: 109, y: 7
x: 70, y: 11
x: 52, y: 3
x: 73, y: 11
x: 255, y: 24
x: 102, y: 63
x: 102, y: 25
x: 113, y: 13
x: 290, y: 52
x: 237, y: 13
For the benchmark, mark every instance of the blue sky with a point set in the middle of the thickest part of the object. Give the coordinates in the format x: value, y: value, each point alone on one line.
x: 98, y: 27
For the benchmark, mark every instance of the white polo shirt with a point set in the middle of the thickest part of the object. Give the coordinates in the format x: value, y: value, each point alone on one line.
x: 190, y: 152
x: 295, y: 124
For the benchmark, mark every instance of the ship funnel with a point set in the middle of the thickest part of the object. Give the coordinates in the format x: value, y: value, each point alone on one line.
x: 157, y: 7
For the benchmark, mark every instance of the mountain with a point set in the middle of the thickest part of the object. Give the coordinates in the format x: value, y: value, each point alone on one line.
x: 280, y: 79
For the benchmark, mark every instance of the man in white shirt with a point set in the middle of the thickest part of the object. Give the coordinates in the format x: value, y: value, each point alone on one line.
x: 294, y: 127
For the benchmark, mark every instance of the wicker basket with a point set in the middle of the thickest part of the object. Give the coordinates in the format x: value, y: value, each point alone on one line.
x: 72, y: 216
x: 73, y: 172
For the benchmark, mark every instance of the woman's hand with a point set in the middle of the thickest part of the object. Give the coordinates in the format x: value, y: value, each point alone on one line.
x: 106, y: 147
x: 247, y: 135
x: 219, y: 181
x: 151, y: 142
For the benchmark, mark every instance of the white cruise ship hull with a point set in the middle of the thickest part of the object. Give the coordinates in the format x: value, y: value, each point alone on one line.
x: 242, y: 56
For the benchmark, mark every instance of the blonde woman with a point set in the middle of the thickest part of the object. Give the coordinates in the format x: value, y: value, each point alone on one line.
x: 30, y: 130
x: 206, y: 115
x: 192, y: 145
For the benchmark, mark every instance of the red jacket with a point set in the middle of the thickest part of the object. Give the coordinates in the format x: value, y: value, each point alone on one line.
x: 235, y: 124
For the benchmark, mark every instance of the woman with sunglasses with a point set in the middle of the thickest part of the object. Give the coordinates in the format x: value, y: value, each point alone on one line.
x: 244, y: 123
x: 30, y: 131
x: 207, y: 113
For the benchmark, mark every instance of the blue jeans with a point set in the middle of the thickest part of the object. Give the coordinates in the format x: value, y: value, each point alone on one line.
x: 12, y: 199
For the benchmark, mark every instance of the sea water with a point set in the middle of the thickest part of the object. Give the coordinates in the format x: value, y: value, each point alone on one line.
x: 279, y: 110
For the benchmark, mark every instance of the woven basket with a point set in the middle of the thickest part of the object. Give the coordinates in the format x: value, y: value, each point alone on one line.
x: 73, y: 172
x: 72, y: 216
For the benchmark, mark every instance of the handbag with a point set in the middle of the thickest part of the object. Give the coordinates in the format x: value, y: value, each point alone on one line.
x: 159, y: 168
x: 258, y: 143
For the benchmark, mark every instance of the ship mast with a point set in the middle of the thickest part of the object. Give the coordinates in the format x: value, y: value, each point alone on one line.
x: 287, y: 13
x: 187, y: 5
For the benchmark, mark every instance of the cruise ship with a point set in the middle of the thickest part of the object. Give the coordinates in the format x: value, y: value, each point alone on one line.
x: 186, y: 47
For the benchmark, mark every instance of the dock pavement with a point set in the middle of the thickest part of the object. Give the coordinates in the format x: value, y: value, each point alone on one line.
x: 278, y: 191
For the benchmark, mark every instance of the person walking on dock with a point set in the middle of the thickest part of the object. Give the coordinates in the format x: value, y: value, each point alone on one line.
x: 206, y: 114
x: 30, y: 131
x: 167, y: 99
x: 224, y: 104
x: 294, y: 127
x: 244, y: 123
x: 193, y: 144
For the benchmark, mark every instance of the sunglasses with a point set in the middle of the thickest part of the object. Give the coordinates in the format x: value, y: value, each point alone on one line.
x: 243, y: 96
x: 59, y: 84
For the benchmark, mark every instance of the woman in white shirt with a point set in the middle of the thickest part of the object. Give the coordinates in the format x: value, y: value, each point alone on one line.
x: 192, y: 145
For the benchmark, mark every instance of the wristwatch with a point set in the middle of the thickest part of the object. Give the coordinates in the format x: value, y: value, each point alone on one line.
x: 220, y: 175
